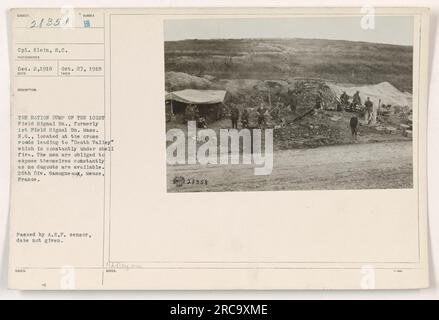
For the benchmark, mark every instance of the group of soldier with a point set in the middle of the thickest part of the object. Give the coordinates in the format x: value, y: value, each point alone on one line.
x: 344, y: 100
x: 262, y: 114
x: 356, y: 103
x: 192, y: 114
x: 357, y: 106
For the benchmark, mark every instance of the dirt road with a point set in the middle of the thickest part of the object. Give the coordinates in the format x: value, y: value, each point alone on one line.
x: 355, y: 166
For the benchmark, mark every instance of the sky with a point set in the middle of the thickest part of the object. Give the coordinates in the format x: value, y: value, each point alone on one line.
x: 388, y: 29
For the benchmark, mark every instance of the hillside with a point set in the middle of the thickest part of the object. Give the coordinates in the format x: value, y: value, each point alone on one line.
x: 351, y: 63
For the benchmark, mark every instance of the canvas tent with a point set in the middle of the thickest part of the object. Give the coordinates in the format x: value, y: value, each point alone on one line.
x: 209, y: 102
x: 384, y: 92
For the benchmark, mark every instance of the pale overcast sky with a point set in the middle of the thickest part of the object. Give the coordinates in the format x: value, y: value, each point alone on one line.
x: 392, y: 30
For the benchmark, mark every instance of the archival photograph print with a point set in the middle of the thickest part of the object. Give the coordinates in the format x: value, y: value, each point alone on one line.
x: 294, y: 103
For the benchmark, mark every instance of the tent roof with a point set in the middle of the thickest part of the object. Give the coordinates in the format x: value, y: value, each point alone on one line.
x: 383, y: 91
x: 197, y: 96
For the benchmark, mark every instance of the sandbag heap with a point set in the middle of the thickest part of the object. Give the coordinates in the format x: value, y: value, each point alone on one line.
x: 308, y: 90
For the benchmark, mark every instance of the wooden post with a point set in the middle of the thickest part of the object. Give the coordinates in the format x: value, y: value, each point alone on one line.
x: 269, y: 98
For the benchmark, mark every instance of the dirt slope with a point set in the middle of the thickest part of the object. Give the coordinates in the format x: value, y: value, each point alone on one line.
x: 339, y: 61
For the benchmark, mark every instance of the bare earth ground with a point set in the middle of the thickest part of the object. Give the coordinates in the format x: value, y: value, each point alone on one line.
x: 381, y: 165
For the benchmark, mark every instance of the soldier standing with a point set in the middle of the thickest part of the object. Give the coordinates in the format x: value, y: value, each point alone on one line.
x: 234, y: 116
x: 292, y: 100
x: 245, y: 118
x: 353, y: 124
x: 356, y: 100
x: 344, y: 99
x: 262, y: 111
x: 190, y: 113
x: 369, y: 110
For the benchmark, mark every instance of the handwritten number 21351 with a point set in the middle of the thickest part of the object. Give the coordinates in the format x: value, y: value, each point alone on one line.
x: 49, y: 22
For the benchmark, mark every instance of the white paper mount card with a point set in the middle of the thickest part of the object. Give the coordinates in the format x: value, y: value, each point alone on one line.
x: 219, y: 148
